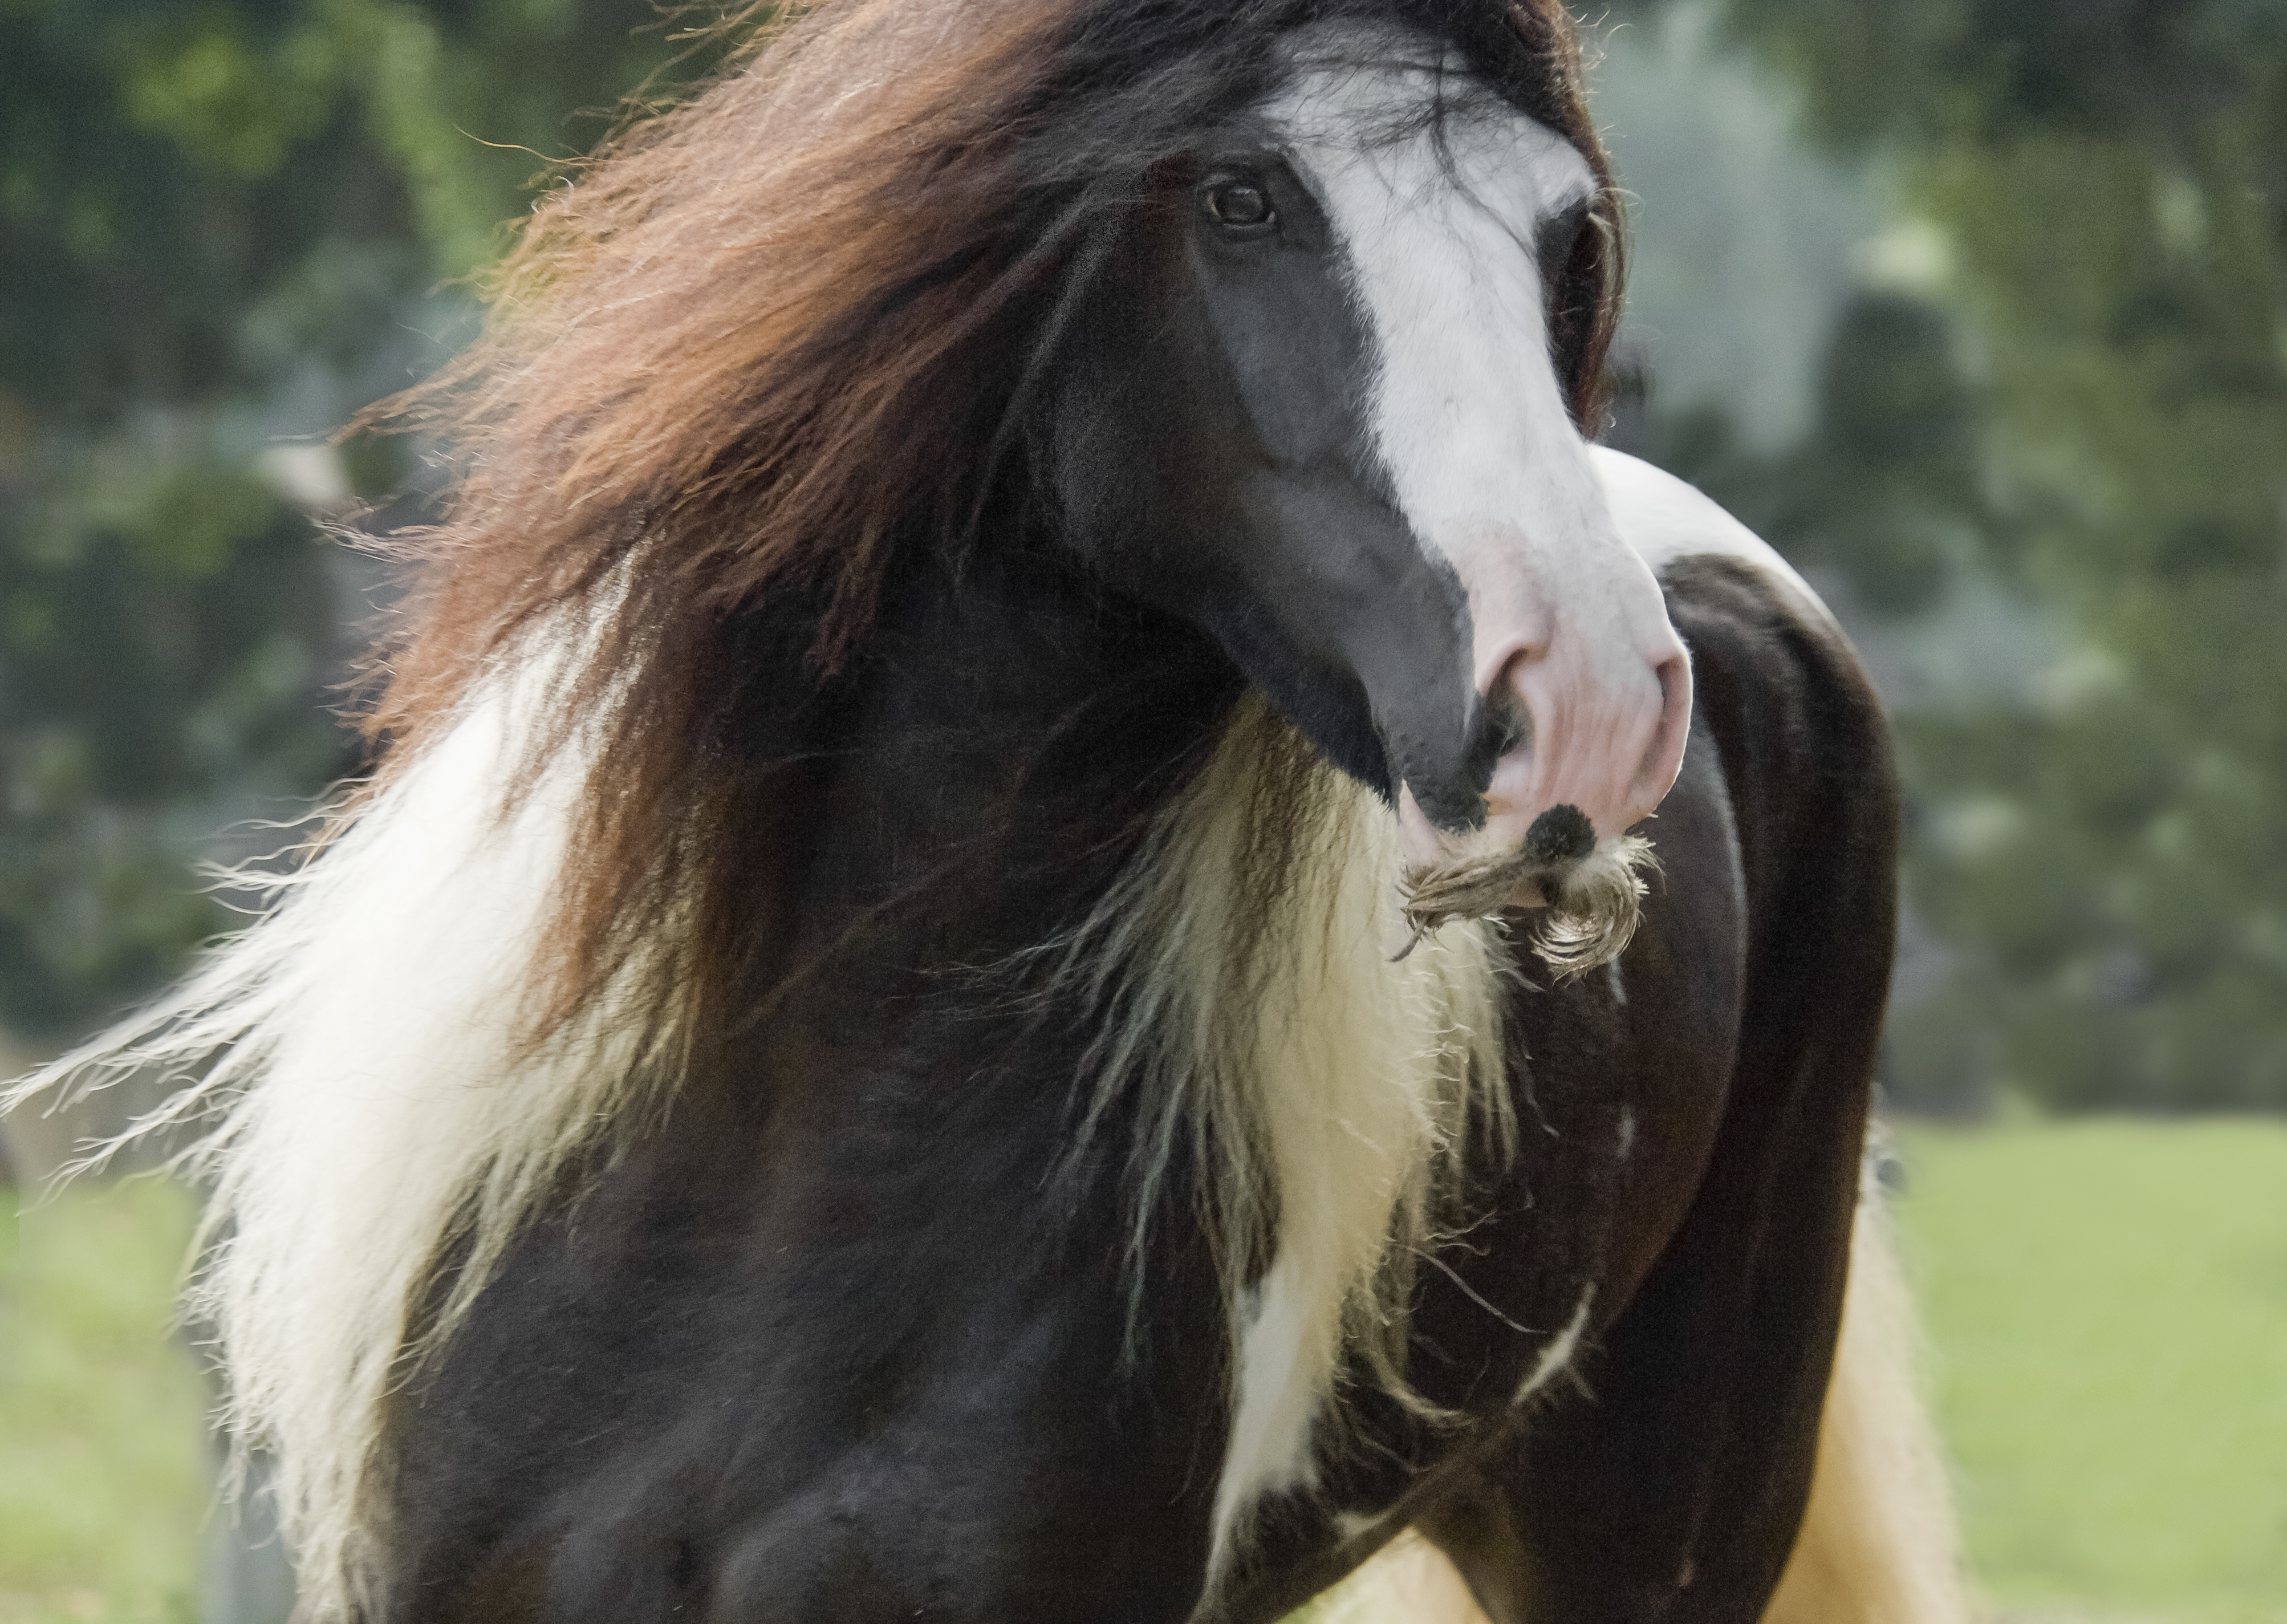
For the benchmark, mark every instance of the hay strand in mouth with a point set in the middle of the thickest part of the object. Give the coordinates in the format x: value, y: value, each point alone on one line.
x: 1592, y: 892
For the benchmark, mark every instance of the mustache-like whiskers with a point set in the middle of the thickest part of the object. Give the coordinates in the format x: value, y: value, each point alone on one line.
x: 1592, y: 890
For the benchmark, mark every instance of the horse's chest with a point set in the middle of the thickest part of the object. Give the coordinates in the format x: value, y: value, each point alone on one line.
x: 769, y: 1351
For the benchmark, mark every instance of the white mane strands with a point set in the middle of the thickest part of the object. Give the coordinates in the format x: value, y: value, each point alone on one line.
x: 1878, y: 1543
x: 368, y: 1050
x: 1260, y: 1024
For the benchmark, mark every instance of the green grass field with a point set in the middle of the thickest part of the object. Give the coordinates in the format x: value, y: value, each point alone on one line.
x: 2107, y: 1302
x: 103, y: 1494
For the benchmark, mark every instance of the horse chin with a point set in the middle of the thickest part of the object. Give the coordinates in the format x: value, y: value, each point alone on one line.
x: 1588, y: 892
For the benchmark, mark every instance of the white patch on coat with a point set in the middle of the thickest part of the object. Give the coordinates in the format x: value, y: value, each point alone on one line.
x: 1627, y: 1134
x: 1559, y: 1352
x: 1407, y: 1581
x: 1329, y: 1089
x: 1666, y: 520
x: 1277, y: 1392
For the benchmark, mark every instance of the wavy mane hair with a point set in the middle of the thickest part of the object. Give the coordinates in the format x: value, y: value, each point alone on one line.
x: 762, y: 341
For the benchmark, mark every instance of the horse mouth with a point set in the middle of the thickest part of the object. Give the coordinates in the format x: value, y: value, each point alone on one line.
x: 1590, y: 891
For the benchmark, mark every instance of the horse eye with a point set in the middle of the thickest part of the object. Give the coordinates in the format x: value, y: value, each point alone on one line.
x: 1239, y: 205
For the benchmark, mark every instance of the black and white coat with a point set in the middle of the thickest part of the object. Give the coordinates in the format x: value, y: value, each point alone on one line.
x: 1089, y: 1211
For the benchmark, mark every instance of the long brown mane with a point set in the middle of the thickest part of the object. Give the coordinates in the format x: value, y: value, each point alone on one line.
x: 762, y: 336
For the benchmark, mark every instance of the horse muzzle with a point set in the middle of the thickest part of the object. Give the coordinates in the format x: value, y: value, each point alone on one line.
x: 1583, y: 700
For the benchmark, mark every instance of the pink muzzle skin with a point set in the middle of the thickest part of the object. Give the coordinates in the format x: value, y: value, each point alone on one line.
x: 1579, y: 654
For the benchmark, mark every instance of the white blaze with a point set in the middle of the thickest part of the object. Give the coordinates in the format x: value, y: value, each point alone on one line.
x: 1467, y: 413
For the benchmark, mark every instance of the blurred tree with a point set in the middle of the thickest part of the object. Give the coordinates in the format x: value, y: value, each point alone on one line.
x: 2109, y: 180
x: 220, y: 221
x: 1886, y: 487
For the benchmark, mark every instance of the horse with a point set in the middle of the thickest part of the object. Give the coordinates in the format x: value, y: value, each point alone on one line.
x: 1002, y: 961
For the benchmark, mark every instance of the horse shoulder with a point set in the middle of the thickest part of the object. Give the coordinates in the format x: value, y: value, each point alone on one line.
x: 1806, y: 751
x: 1683, y: 1483
x: 1666, y: 520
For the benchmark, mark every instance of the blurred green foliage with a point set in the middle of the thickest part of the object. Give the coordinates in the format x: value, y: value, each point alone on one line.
x: 221, y: 221
x: 2084, y: 408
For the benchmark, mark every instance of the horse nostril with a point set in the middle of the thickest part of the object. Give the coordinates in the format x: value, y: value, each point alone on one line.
x: 1674, y: 674
x: 1512, y: 723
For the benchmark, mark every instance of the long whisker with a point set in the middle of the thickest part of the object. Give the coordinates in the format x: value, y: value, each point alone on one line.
x: 1594, y: 903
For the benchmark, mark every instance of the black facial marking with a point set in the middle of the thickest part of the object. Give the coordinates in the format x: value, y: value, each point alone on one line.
x: 1210, y: 447
x: 1561, y: 834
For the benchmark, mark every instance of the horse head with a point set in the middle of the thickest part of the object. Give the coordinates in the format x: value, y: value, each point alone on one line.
x: 1321, y: 402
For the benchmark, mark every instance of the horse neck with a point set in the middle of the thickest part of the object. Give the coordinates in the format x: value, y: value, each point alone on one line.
x: 998, y: 756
